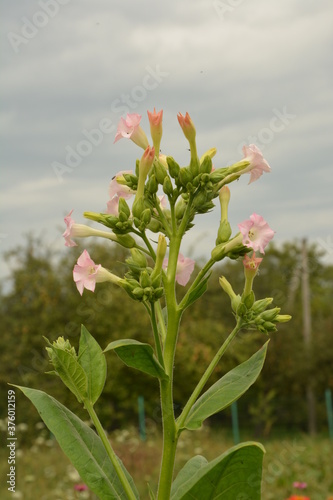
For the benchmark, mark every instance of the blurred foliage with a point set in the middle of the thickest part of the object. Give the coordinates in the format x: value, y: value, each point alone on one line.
x: 42, y: 300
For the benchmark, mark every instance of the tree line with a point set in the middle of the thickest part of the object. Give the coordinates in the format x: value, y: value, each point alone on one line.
x: 42, y: 300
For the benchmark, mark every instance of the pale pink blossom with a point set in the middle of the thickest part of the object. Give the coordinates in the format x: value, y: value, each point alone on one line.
x: 112, y: 206
x: 258, y: 164
x: 187, y: 126
x: 86, y: 274
x: 68, y: 232
x: 119, y: 189
x: 129, y: 128
x: 185, y: 267
x: 256, y: 232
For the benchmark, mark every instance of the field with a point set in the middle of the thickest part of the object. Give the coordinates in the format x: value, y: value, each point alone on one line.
x: 44, y: 473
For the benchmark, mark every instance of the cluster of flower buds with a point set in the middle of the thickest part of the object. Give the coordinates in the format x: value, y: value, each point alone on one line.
x: 254, y: 314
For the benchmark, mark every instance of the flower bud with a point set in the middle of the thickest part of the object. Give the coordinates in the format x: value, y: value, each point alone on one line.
x: 270, y: 314
x: 160, y: 172
x: 138, y: 207
x: 167, y: 186
x: 152, y: 184
x: 185, y: 176
x: 223, y: 233
x: 155, y: 120
x: 173, y: 167
x: 261, y: 305
x: 283, y: 318
x: 123, y: 208
x: 211, y: 153
x: 146, y: 216
x: 206, y: 165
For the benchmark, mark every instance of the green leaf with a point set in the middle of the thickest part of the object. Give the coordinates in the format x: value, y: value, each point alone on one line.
x: 81, y: 445
x: 70, y: 371
x: 93, y: 362
x: 138, y: 355
x: 197, y: 292
x: 236, y: 474
x: 226, y: 390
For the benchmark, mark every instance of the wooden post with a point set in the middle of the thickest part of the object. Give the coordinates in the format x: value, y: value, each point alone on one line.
x: 307, y: 336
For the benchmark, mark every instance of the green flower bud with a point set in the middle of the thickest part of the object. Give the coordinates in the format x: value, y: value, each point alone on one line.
x: 146, y: 216
x: 218, y: 175
x: 138, y: 293
x: 185, y: 176
x: 269, y: 327
x: 223, y: 233
x: 167, y: 186
x: 270, y: 314
x: 180, y: 208
x: 283, y: 318
x: 138, y: 207
x: 160, y: 171
x: 152, y: 184
x: 261, y: 305
x: 145, y: 280
x: 173, y: 166
x: 126, y: 240
x: 154, y: 226
x: 138, y: 258
x: 206, y: 165
x: 249, y: 300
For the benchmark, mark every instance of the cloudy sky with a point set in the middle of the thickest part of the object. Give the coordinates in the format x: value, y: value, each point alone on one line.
x: 246, y: 71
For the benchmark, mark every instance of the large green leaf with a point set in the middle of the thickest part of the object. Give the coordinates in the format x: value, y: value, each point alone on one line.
x: 82, y: 446
x: 138, y: 355
x: 226, y: 390
x: 92, y: 360
x: 236, y: 474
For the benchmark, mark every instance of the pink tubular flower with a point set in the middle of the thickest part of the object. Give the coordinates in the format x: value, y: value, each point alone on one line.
x: 185, y: 267
x: 252, y: 263
x: 129, y: 128
x: 86, y: 274
x: 155, y: 120
x: 187, y: 126
x: 258, y: 164
x: 256, y: 232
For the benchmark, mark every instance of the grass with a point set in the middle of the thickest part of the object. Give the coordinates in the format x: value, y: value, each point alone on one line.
x: 44, y: 473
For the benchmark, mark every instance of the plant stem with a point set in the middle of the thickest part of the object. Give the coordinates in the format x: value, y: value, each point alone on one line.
x: 156, y: 335
x: 201, y: 384
x: 113, y: 457
x: 170, y: 436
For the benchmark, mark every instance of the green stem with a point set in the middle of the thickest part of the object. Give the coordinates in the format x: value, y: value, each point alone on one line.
x: 113, y: 457
x: 170, y: 436
x: 163, y: 220
x: 197, y: 391
x: 156, y: 335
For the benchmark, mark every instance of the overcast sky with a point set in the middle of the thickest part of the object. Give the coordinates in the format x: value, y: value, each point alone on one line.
x: 246, y: 71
